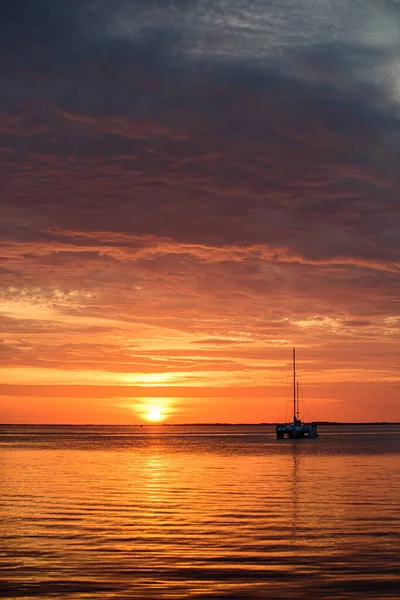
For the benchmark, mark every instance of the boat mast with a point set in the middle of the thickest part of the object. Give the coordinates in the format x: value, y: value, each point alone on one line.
x: 298, y: 400
x: 294, y: 386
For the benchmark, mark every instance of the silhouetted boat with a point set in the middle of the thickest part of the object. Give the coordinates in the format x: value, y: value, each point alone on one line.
x: 296, y: 428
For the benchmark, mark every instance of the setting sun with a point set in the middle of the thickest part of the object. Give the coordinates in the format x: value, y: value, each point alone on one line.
x: 155, y: 414
x: 152, y: 409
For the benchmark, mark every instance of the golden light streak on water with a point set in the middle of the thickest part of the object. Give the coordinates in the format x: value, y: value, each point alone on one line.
x: 202, y: 512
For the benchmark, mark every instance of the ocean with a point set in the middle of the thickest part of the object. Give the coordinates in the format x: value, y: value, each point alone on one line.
x: 199, y: 512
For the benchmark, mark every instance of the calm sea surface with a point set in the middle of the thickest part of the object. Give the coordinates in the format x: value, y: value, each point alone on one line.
x: 199, y: 512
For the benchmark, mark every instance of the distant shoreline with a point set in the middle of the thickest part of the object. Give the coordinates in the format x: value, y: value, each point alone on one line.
x: 339, y: 423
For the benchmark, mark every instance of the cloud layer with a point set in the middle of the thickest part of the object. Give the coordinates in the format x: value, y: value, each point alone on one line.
x: 190, y: 188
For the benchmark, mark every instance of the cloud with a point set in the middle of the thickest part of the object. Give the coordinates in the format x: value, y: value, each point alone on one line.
x: 219, y: 341
x: 198, y: 169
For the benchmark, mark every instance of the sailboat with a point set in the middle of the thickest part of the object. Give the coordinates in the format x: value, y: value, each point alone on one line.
x: 296, y: 429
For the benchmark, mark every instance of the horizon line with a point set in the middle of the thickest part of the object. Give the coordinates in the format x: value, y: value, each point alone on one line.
x: 197, y: 424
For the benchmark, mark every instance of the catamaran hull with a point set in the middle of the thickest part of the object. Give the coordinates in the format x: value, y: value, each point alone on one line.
x: 296, y: 431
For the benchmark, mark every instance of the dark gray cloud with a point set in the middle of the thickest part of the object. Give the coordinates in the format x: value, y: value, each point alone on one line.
x: 175, y: 155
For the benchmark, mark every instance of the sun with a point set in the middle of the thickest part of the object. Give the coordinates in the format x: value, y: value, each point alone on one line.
x: 154, y: 414
x: 153, y: 410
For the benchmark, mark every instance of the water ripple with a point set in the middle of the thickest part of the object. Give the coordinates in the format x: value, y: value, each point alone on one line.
x: 111, y: 513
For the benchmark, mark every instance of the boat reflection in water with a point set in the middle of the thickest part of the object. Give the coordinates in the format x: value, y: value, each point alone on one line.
x: 296, y: 429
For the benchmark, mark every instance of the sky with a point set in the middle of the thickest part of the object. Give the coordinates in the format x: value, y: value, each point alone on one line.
x: 190, y: 189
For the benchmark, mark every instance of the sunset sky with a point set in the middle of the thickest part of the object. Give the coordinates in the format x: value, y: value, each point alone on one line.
x: 189, y: 189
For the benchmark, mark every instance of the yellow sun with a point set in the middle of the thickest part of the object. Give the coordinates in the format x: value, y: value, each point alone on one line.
x: 154, y: 414
x: 154, y: 409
